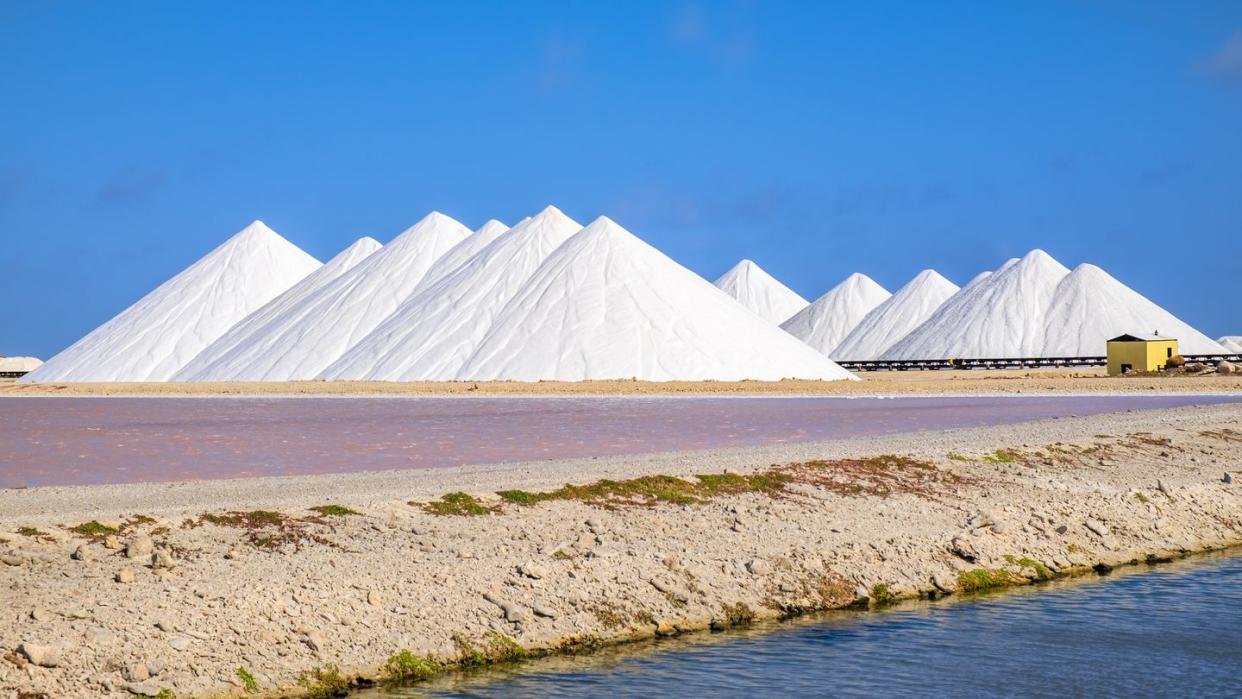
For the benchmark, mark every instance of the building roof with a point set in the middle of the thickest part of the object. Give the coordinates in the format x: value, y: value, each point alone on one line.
x: 1142, y: 337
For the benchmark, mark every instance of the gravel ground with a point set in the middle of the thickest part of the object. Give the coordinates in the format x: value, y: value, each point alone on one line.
x: 183, y: 594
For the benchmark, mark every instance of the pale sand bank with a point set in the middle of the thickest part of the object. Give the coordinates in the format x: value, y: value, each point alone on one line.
x: 873, y: 383
x: 356, y: 589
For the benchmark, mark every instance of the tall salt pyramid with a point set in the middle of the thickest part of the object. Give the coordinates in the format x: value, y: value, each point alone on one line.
x: 1090, y: 306
x: 1002, y: 315
x: 301, y: 342
x: 895, y: 318
x: 154, y: 338
x: 826, y: 322
x: 760, y: 292
x: 202, y: 368
x: 606, y: 305
x: 429, y: 336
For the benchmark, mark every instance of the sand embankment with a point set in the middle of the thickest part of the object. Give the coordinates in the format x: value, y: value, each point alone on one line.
x: 873, y: 383
x: 193, y: 592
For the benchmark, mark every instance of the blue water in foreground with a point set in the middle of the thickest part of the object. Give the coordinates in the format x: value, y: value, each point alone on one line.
x: 1172, y: 630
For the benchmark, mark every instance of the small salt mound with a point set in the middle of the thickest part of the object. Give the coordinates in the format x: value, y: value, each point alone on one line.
x: 202, y: 367
x: 19, y: 363
x: 760, y: 292
x: 154, y: 338
x: 895, y: 318
x: 606, y: 305
x: 1090, y: 306
x: 303, y: 341
x: 429, y: 336
x: 1000, y: 316
x: 1232, y: 343
x: 826, y: 322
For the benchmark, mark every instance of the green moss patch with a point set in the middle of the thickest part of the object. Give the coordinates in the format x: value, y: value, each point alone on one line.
x: 333, y: 510
x: 457, y: 505
x: 983, y: 579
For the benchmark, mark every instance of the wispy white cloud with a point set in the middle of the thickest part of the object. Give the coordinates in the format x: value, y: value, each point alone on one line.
x: 1226, y: 63
x: 722, y: 31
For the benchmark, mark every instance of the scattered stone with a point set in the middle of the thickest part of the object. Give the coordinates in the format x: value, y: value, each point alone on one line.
x: 1098, y: 528
x: 163, y: 560
x: 112, y: 543
x: 1227, y: 479
x: 125, y: 575
x: 10, y: 559
x: 1062, y: 529
x: 82, y: 553
x: 944, y: 583
x: 233, y: 554
x: 963, y: 549
x: 139, y: 547
x: 1227, y: 367
x: 164, y: 625
x: 374, y: 599
x: 136, y: 673
x: 315, y: 640
x: 150, y: 688
x: 101, y: 637
x: 758, y: 567
x: 544, y: 611
x: 532, y: 570
x: 40, y: 614
x: 43, y: 656
x: 156, y: 666
x: 179, y: 643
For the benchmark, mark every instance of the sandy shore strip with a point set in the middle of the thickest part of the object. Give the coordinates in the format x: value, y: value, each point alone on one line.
x: 288, y: 585
x: 972, y: 382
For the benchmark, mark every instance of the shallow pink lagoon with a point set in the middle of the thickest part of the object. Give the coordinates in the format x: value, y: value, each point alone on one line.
x: 71, y: 441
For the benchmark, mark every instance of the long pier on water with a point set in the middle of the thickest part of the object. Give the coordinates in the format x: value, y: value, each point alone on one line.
x: 1008, y: 362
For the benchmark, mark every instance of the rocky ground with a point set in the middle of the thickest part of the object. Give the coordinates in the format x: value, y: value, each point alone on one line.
x: 972, y: 382
x: 222, y: 588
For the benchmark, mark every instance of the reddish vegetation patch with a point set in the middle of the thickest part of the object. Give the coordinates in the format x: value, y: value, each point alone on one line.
x: 879, y: 476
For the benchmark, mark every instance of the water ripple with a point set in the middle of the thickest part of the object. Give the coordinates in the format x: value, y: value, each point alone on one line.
x: 1171, y: 631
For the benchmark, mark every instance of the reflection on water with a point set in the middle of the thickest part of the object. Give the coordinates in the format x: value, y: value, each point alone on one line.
x: 1173, y: 630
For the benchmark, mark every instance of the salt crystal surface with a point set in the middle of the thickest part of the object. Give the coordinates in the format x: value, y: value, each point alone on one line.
x: 1090, y: 306
x: 826, y: 322
x: 606, y: 305
x: 1000, y: 316
x: 1232, y: 343
x: 895, y: 318
x: 303, y: 341
x: 429, y: 336
x: 202, y: 368
x: 154, y: 338
x: 461, y: 252
x: 760, y: 292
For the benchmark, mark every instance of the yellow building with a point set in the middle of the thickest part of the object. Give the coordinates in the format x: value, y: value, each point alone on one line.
x: 1139, y: 353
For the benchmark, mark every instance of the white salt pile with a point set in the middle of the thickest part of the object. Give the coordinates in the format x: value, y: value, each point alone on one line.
x: 999, y: 316
x: 154, y: 338
x: 1232, y: 343
x: 895, y: 318
x: 303, y: 341
x: 760, y: 292
x: 19, y: 363
x: 202, y: 367
x: 826, y: 322
x: 606, y: 305
x: 1089, y: 306
x: 463, y: 251
x: 429, y: 336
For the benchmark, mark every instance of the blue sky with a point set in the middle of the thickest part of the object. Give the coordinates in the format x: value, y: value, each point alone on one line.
x: 815, y: 138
